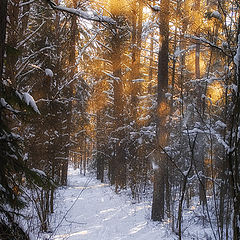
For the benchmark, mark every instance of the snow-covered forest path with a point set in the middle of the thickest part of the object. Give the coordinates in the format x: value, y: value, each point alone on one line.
x: 88, y: 209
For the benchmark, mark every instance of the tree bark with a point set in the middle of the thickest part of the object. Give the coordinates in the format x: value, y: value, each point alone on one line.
x: 100, y: 157
x: 118, y: 162
x: 69, y: 93
x: 12, y: 40
x: 234, y: 155
x: 158, y: 195
x: 197, y: 52
x: 136, y: 52
x: 162, y: 113
x: 3, y: 25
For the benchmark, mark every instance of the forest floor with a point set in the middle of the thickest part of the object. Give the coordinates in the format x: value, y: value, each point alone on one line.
x: 90, y: 210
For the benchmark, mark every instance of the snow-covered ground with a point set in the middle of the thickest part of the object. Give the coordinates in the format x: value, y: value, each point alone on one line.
x: 91, y: 210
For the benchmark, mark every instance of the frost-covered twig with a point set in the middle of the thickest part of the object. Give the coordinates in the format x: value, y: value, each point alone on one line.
x: 30, y: 35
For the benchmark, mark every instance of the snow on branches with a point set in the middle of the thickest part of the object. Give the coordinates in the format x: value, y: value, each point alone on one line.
x: 91, y: 16
x: 28, y: 99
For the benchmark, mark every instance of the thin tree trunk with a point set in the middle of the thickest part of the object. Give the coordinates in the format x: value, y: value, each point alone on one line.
x: 234, y: 156
x: 197, y: 52
x: 3, y: 25
x: 100, y: 159
x: 150, y: 74
x: 136, y: 52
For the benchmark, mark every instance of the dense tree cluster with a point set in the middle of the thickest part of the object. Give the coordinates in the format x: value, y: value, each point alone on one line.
x: 146, y: 93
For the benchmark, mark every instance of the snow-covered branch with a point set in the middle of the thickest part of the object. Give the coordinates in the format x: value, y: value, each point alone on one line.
x: 30, y: 36
x: 82, y: 14
x: 87, y: 44
x: 210, y: 44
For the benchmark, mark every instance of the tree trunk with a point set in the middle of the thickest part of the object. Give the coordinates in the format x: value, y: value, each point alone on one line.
x: 234, y: 155
x: 69, y: 94
x: 136, y: 52
x: 12, y: 40
x: 118, y: 162
x: 162, y: 113
x: 3, y: 25
x: 100, y: 157
x: 158, y: 195
x: 197, y: 52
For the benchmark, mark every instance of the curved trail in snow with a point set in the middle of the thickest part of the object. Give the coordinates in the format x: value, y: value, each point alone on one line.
x: 90, y: 210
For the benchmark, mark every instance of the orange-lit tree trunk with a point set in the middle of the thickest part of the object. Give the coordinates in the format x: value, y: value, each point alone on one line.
x: 150, y: 73
x: 197, y: 50
x: 135, y: 85
x: 137, y: 12
x: 117, y: 164
x: 119, y: 160
x: 161, y: 115
x: 200, y: 141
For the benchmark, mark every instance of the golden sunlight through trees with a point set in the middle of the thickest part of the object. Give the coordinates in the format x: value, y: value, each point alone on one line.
x: 163, y: 109
x: 215, y: 92
x: 119, y: 7
x: 190, y: 63
x: 116, y: 7
x: 144, y: 94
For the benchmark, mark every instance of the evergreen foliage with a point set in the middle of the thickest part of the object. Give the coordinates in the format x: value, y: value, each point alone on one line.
x: 146, y: 92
